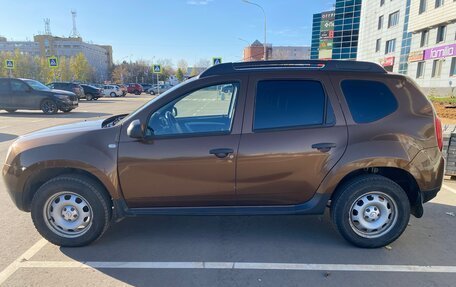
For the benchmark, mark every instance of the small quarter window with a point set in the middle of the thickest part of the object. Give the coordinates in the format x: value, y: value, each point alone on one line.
x: 368, y: 101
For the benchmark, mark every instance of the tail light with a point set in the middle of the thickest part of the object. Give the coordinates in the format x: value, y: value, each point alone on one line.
x: 438, y: 132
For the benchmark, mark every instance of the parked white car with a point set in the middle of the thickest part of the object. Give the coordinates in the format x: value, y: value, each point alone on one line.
x: 112, y: 91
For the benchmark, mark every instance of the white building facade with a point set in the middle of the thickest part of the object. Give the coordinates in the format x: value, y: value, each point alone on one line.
x: 432, y: 60
x: 384, y: 37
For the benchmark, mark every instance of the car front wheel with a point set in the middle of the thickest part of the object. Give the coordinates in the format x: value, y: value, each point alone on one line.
x: 49, y: 107
x: 71, y: 210
x: 370, y: 211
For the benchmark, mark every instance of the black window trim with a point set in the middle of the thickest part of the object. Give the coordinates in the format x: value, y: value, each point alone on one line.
x: 198, y: 134
x: 348, y: 107
x: 296, y: 127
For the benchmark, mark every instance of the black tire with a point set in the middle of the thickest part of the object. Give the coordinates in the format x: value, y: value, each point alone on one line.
x: 66, y: 110
x: 357, y: 194
x: 89, y: 97
x: 11, y: 110
x: 49, y: 107
x: 137, y: 93
x: 90, y: 190
x: 112, y: 94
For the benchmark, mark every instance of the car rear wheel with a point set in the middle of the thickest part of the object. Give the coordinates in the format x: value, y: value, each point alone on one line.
x: 89, y: 97
x: 137, y: 93
x: 112, y: 94
x: 49, y: 107
x: 370, y: 211
x: 11, y: 110
x: 71, y: 210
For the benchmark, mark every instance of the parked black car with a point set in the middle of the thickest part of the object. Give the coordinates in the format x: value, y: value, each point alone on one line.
x: 91, y: 92
x: 146, y: 86
x: 26, y: 94
x: 70, y: 87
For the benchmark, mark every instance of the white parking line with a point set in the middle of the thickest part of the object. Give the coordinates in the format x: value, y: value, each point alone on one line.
x: 449, y: 188
x: 16, y: 264
x: 240, y: 266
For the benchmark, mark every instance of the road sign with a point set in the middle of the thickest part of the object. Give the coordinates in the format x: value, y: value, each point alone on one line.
x: 157, y: 69
x: 216, y: 61
x: 9, y: 64
x: 53, y: 63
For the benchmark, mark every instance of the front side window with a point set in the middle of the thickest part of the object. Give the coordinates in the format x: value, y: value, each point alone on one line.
x: 207, y: 110
x: 18, y: 86
x: 368, y: 101
x: 289, y: 103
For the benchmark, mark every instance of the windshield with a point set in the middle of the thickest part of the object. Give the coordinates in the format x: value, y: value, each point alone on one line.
x: 37, y: 85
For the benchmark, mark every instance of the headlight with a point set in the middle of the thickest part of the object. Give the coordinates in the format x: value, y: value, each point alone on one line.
x: 63, y: 97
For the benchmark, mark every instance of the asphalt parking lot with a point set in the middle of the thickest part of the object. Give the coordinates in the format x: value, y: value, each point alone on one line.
x: 217, y: 251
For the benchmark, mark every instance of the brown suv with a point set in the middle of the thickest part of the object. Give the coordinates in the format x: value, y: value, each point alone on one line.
x: 275, y: 137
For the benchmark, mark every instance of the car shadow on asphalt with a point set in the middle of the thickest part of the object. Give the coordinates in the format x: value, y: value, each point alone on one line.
x: 38, y: 114
x: 276, y: 239
x: 7, y: 137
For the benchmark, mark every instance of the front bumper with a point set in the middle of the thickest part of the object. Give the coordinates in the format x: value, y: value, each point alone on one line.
x: 11, y: 178
x: 67, y: 104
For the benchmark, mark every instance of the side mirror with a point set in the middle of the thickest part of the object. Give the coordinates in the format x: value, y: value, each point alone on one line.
x: 134, y: 130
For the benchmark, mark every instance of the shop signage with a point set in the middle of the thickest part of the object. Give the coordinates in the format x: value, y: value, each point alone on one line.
x: 440, y: 52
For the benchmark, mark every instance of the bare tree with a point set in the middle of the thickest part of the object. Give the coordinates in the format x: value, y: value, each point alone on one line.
x: 183, y: 65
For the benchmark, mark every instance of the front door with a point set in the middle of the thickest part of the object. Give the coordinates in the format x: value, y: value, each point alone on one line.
x: 291, y: 140
x: 22, y: 96
x: 189, y: 157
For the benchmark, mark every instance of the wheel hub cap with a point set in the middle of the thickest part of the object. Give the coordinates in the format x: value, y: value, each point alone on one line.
x: 68, y: 214
x: 373, y: 214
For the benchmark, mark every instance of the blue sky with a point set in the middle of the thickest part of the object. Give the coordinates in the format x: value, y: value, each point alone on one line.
x: 173, y: 29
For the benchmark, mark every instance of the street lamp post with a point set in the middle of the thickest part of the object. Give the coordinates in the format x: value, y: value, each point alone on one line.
x: 264, y: 13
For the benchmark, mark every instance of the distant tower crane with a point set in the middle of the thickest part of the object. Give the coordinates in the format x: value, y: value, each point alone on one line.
x: 74, y: 32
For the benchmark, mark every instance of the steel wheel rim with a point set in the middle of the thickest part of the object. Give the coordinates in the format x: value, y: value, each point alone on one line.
x: 68, y: 214
x: 373, y: 214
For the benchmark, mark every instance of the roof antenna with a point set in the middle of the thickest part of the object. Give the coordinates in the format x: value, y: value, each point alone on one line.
x: 47, y: 26
x: 74, y: 32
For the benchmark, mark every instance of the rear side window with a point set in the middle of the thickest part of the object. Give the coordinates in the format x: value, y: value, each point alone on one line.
x: 368, y: 101
x: 289, y: 103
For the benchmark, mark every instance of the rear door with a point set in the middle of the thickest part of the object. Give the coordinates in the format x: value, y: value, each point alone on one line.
x: 5, y: 94
x: 293, y: 134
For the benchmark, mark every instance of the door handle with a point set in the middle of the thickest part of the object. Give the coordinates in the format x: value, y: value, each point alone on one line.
x: 324, y: 147
x: 221, y: 152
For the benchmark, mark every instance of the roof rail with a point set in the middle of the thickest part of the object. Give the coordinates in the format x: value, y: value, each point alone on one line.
x: 325, y: 65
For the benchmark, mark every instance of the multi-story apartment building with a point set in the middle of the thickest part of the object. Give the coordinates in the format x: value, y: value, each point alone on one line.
x: 98, y: 56
x: 432, y: 60
x: 384, y: 36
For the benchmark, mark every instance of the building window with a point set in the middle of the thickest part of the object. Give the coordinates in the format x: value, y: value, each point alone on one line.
x: 380, y: 22
x: 420, y: 70
x: 424, y: 38
x: 453, y: 67
x: 377, y: 45
x: 382, y: 2
x: 438, y: 3
x: 437, y: 68
x: 441, y: 30
x: 393, y: 19
x: 390, y: 46
x: 423, y: 4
